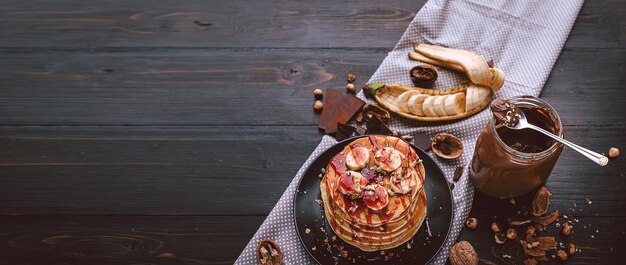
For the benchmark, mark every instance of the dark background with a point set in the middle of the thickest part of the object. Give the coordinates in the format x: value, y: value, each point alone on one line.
x: 163, y: 132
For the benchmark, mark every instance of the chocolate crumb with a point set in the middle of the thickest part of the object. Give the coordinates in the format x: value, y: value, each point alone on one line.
x: 422, y: 141
x: 344, y: 131
x: 458, y: 172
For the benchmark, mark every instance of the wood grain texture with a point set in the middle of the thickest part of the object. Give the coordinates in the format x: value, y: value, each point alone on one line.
x: 163, y: 132
x: 242, y: 87
x: 283, y: 23
x: 107, y: 240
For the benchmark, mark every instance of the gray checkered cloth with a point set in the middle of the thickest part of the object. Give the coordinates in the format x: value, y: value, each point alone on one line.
x: 524, y: 39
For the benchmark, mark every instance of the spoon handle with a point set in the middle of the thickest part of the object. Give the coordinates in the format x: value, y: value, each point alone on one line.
x: 595, y: 157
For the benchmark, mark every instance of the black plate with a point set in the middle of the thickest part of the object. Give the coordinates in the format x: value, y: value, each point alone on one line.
x: 424, y: 246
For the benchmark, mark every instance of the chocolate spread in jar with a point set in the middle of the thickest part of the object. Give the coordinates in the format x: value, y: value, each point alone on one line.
x: 514, y: 162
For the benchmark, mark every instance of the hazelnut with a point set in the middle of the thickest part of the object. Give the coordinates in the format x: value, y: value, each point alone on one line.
x: 462, y: 253
x: 613, y: 152
x: 571, y: 248
x: 511, y: 233
x: 351, y: 89
x: 530, y: 231
x: 471, y: 223
x: 500, y: 238
x: 318, y: 105
x: 567, y: 229
x: 318, y: 94
x: 561, y: 255
x: 446, y: 146
x: 530, y: 261
x: 350, y: 77
x: 495, y: 227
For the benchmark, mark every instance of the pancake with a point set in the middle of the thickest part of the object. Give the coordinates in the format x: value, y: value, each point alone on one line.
x: 372, y: 192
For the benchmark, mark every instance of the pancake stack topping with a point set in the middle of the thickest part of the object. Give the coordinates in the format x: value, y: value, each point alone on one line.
x: 373, y: 193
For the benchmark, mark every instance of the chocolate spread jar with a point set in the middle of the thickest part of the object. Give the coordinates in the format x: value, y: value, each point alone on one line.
x: 509, y: 163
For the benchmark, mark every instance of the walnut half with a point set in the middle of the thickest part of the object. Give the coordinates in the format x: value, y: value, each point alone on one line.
x: 462, y: 253
x: 269, y: 253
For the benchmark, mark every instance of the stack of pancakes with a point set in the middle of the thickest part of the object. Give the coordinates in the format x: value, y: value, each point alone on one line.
x: 373, y: 193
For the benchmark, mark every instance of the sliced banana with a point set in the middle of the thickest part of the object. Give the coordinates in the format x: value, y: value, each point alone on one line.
x: 455, y: 104
x: 429, y: 107
x: 415, y: 104
x: 358, y: 158
x: 440, y: 108
x: 388, y: 159
x: 475, y: 96
x: 403, y: 100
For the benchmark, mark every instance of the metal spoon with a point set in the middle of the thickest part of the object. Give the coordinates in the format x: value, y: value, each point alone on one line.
x: 595, y: 157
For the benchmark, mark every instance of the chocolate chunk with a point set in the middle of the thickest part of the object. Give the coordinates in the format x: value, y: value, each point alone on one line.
x: 339, y: 107
x: 376, y: 126
x: 344, y: 131
x: 370, y: 110
x: 360, y: 130
x: 458, y: 172
x: 422, y: 141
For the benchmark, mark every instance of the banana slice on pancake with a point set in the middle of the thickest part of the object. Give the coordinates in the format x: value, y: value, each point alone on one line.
x: 388, y: 159
x: 455, y: 104
x: 358, y: 158
x: 415, y: 104
x: 375, y: 197
x: 352, y: 184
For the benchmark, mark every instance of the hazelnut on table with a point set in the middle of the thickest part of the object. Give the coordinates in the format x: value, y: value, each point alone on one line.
x: 511, y: 233
x: 318, y: 106
x: 613, y: 152
x: 318, y: 94
x: 351, y: 89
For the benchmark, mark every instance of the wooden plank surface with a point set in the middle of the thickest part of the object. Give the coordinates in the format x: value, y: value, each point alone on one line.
x: 142, y: 132
x: 242, y: 87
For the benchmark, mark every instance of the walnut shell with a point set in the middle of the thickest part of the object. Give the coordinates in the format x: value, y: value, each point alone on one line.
x: 447, y: 146
x: 541, y: 201
x: 268, y: 253
x: 462, y: 253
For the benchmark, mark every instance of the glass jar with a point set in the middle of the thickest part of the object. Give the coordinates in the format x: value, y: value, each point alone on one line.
x: 509, y: 163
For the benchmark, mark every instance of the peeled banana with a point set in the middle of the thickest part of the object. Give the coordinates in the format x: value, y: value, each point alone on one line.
x: 428, y: 104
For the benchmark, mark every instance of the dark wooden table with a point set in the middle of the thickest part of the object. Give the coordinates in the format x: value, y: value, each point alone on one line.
x: 163, y: 132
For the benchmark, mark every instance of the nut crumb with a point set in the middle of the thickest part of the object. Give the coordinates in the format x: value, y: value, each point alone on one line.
x: 561, y: 254
x: 500, y: 238
x: 471, y: 223
x: 511, y: 233
x: 307, y: 231
x: 571, y: 248
x: 567, y: 229
x: 495, y: 227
